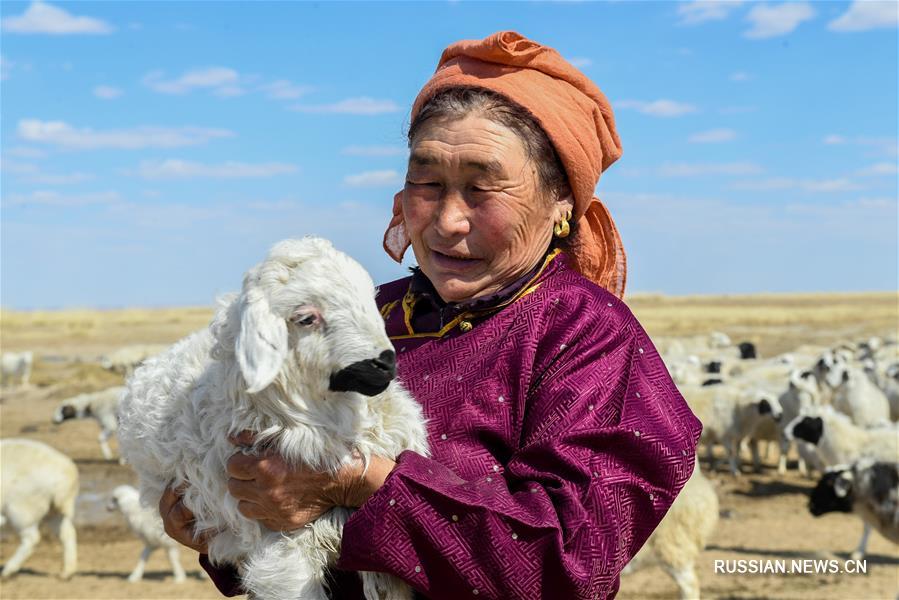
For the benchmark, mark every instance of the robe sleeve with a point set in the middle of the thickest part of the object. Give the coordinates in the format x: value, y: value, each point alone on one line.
x: 607, y: 442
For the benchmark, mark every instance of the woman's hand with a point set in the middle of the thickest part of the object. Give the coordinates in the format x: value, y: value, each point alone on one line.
x: 283, y: 498
x: 178, y: 521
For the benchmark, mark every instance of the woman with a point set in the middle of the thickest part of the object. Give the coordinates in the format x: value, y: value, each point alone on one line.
x: 558, y: 438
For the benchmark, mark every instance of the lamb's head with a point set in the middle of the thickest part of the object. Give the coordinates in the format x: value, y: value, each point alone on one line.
x: 831, y: 368
x: 122, y: 498
x: 833, y: 493
x: 72, y: 408
x: 307, y: 320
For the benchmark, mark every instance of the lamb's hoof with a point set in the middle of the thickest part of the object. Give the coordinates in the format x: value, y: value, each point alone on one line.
x: 180, y: 579
x: 66, y: 576
x: 856, y: 555
x: 133, y: 579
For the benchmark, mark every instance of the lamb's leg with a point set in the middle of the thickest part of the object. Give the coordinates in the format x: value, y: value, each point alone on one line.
x: 859, y: 552
x: 104, y: 447
x: 177, y: 569
x: 756, y: 456
x: 381, y: 586
x: 686, y: 580
x: 69, y: 547
x: 29, y: 537
x: 784, y: 446
x: 138, y: 573
x: 733, y: 449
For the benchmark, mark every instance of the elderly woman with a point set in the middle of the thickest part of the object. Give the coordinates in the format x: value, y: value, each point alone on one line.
x: 558, y: 438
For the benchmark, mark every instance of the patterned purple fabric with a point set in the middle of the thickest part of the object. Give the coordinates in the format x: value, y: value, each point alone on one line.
x: 558, y: 443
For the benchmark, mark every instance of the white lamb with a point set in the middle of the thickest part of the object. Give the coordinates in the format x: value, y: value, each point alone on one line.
x: 302, y: 359
x: 729, y: 415
x: 147, y: 525
x: 127, y: 358
x: 101, y: 406
x: 37, y: 481
x: 851, y: 391
x: 16, y: 366
x: 679, y: 539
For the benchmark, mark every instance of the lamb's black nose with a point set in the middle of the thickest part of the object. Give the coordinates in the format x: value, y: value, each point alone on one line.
x: 369, y: 377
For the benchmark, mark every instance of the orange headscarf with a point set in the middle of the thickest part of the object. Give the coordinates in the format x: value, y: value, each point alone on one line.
x: 572, y: 111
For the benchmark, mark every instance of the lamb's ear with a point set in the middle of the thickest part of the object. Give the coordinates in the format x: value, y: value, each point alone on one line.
x: 261, y: 346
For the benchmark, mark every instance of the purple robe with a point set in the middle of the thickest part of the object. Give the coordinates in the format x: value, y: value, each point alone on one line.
x: 558, y: 442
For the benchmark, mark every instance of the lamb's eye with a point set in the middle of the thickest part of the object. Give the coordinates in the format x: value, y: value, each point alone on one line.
x: 305, y: 318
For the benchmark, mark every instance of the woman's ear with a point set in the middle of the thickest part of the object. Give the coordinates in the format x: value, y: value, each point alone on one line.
x: 564, y: 202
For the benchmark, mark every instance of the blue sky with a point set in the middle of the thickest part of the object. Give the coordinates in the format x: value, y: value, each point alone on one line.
x: 153, y: 151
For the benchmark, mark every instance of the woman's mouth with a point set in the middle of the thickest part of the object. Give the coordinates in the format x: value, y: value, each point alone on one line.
x: 453, y: 262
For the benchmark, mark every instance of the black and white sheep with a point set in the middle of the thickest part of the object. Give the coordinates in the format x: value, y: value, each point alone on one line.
x: 867, y: 488
x: 37, y: 481
x: 147, y: 525
x: 302, y: 359
x: 101, y: 406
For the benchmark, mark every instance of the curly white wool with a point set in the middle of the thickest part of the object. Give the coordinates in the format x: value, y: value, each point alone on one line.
x: 261, y: 367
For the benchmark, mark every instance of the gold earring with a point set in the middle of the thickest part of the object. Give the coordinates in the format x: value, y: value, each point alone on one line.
x: 562, y: 229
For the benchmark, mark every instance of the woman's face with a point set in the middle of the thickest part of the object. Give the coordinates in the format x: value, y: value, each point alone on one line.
x: 473, y: 207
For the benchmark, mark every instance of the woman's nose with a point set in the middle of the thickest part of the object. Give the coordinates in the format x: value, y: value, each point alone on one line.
x: 452, y: 217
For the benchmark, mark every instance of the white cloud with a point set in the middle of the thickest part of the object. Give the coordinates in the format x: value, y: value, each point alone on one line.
x: 373, y: 179
x: 580, y: 62
x: 736, y: 110
x: 867, y: 14
x: 884, y: 146
x: 352, y: 106
x: 282, y: 89
x: 107, y: 92
x: 24, y: 152
x: 52, y: 198
x: 740, y: 76
x: 32, y: 173
x: 879, y: 169
x: 220, y: 80
x: 41, y: 17
x: 772, y: 21
x: 804, y: 185
x: 64, y: 135
x: 713, y: 136
x: 374, y: 150
x: 658, y: 108
x: 700, y: 11
x: 708, y: 169
x: 181, y: 169
x: 272, y: 205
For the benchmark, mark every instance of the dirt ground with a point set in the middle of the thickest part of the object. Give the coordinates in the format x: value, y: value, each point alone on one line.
x: 764, y: 516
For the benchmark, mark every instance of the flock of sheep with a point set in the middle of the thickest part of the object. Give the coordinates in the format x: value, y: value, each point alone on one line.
x: 40, y: 482
x: 838, y: 406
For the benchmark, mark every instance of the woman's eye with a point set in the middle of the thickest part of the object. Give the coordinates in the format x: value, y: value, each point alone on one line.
x: 423, y: 183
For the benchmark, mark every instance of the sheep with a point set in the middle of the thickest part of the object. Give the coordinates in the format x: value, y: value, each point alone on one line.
x: 682, y: 347
x: 837, y: 440
x: 729, y: 414
x: 886, y: 377
x: 16, y: 365
x: 36, y: 481
x: 101, y: 406
x: 850, y: 390
x: 147, y: 525
x: 335, y: 397
x: 127, y: 358
x: 868, y: 488
x: 679, y: 539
